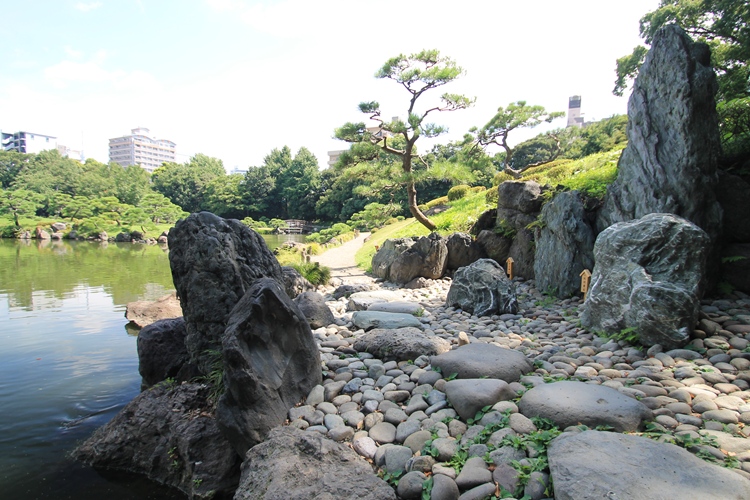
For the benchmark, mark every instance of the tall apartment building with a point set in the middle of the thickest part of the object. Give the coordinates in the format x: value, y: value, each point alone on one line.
x: 574, y: 112
x: 140, y: 149
x: 27, y: 142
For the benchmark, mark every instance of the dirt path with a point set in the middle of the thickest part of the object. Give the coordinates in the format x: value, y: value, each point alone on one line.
x: 341, y: 261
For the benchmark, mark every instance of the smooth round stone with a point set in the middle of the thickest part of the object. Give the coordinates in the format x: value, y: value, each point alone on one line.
x: 370, y: 406
x: 521, y: 424
x: 444, y: 487
x: 667, y: 421
x: 406, y: 429
x: 353, y: 418
x: 704, y: 406
x: 341, y: 433
x: 383, y: 432
x: 473, y: 474
x: 416, y: 440
x: 446, y: 448
x: 372, y: 394
x: 410, y: 485
x: 396, y: 458
x: 365, y: 446
x: 372, y: 419
x: 321, y: 429
x: 723, y: 416
x: 332, y: 421
x: 688, y: 419
x: 396, y: 396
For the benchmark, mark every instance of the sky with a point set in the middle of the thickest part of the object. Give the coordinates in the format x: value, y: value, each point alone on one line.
x: 234, y: 79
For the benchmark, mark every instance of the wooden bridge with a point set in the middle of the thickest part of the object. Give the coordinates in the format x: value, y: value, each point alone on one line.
x: 297, y: 226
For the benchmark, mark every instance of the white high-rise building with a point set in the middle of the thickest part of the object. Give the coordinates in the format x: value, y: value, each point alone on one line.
x: 27, y: 142
x: 140, y: 149
x: 574, y: 112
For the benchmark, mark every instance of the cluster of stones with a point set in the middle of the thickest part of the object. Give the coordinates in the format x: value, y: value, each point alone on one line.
x: 56, y: 232
x: 389, y: 405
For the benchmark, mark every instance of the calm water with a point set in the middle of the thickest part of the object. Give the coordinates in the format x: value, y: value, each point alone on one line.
x: 67, y: 362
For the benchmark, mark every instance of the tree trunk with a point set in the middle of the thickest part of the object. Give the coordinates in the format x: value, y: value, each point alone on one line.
x: 411, y: 191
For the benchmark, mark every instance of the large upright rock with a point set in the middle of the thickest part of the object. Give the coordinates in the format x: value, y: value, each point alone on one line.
x: 462, y: 250
x: 564, y: 246
x: 649, y: 277
x: 482, y: 288
x: 387, y: 254
x: 214, y: 262
x: 669, y: 164
x: 426, y: 258
x: 271, y: 362
x: 518, y: 205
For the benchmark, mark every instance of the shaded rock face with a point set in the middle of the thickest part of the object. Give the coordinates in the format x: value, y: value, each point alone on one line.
x: 387, y: 254
x: 735, y: 266
x: 214, y: 262
x: 161, y: 350
x: 649, y: 276
x: 271, y: 362
x: 144, y: 312
x: 165, y: 434
x: 306, y: 465
x: 462, y: 250
x: 596, y: 465
x: 401, y: 344
x: 569, y: 403
x: 426, y: 258
x: 314, y: 308
x: 565, y: 245
x: 294, y: 282
x: 670, y: 162
x: 495, y: 246
x: 733, y: 194
x: 468, y: 396
x: 482, y: 289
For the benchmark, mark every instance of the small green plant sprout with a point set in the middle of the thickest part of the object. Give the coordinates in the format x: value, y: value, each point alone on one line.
x: 478, y: 416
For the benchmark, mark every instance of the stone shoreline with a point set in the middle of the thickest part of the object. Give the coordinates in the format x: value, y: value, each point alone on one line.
x: 399, y: 414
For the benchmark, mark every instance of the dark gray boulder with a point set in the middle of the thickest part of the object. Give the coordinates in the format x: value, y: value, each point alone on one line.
x: 518, y: 197
x: 733, y: 193
x: 468, y: 396
x: 426, y: 258
x: 564, y: 245
x: 462, y: 251
x: 166, y: 434
x: 314, y: 308
x: 294, y: 282
x: 161, y: 350
x: 387, y: 254
x: 494, y: 245
x: 670, y: 162
x: 596, y: 465
x: 482, y: 288
x: 401, y: 344
x: 483, y: 360
x: 307, y: 466
x: 271, y: 363
x: 518, y: 206
x: 214, y: 262
x: 569, y: 403
x: 649, y: 276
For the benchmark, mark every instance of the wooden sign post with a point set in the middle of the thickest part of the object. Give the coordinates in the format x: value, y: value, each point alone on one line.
x: 585, y: 282
x: 509, y: 267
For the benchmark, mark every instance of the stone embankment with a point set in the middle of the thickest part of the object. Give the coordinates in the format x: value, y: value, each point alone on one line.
x: 475, y: 413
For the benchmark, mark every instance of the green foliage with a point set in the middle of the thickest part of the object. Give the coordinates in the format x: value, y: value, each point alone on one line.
x: 629, y: 335
x: 314, y: 272
x: 185, y: 184
x: 325, y: 235
x: 504, y: 229
x: 215, y: 378
x: 458, y: 192
x: 374, y: 215
x: 491, y: 196
x: 734, y: 125
x: 314, y: 249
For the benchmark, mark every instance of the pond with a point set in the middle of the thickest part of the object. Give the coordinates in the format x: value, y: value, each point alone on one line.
x: 67, y: 362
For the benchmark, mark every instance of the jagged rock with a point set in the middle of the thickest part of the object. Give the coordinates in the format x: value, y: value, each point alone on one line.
x: 485, y: 221
x: 564, y: 246
x: 482, y: 288
x: 670, y: 162
x: 384, y: 257
x: 368, y: 320
x: 271, y: 363
x: 214, y: 262
x: 161, y: 350
x: 426, y: 258
x: 518, y: 205
x: 735, y: 266
x: 483, y: 360
x: 144, y: 312
x: 348, y: 290
x: 401, y: 344
x: 569, y: 403
x: 462, y: 250
x: 518, y: 197
x: 314, y: 308
x: 294, y: 282
x: 305, y: 465
x: 649, y: 276
x: 166, y: 434
x: 522, y: 251
x: 599, y: 465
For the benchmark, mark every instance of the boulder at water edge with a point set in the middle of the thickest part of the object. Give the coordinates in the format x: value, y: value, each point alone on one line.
x: 161, y: 351
x: 214, y: 262
x: 482, y: 288
x: 271, y: 362
x: 648, y: 278
x: 144, y: 312
x: 305, y: 465
x: 596, y: 465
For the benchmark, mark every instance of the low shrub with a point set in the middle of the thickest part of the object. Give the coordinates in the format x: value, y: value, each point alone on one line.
x: 443, y: 200
x: 490, y: 195
x: 478, y: 189
x: 314, y: 272
x: 458, y: 192
x: 314, y: 249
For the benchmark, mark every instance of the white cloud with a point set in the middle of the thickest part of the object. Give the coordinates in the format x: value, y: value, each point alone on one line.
x: 87, y: 7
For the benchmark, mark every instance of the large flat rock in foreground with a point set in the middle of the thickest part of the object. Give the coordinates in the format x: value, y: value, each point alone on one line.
x: 569, y: 403
x: 483, y: 360
x: 596, y: 465
x: 401, y: 344
x: 367, y: 320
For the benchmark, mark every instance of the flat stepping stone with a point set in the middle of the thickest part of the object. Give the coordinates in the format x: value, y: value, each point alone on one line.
x: 360, y: 301
x: 598, y: 465
x: 367, y: 320
x: 569, y: 403
x: 483, y: 360
x: 401, y: 344
x: 397, y: 307
x: 468, y: 396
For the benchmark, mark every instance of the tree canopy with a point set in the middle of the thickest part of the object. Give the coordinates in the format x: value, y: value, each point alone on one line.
x: 417, y: 73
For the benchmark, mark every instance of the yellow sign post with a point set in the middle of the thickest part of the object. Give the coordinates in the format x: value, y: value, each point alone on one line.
x: 585, y: 282
x: 509, y: 267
